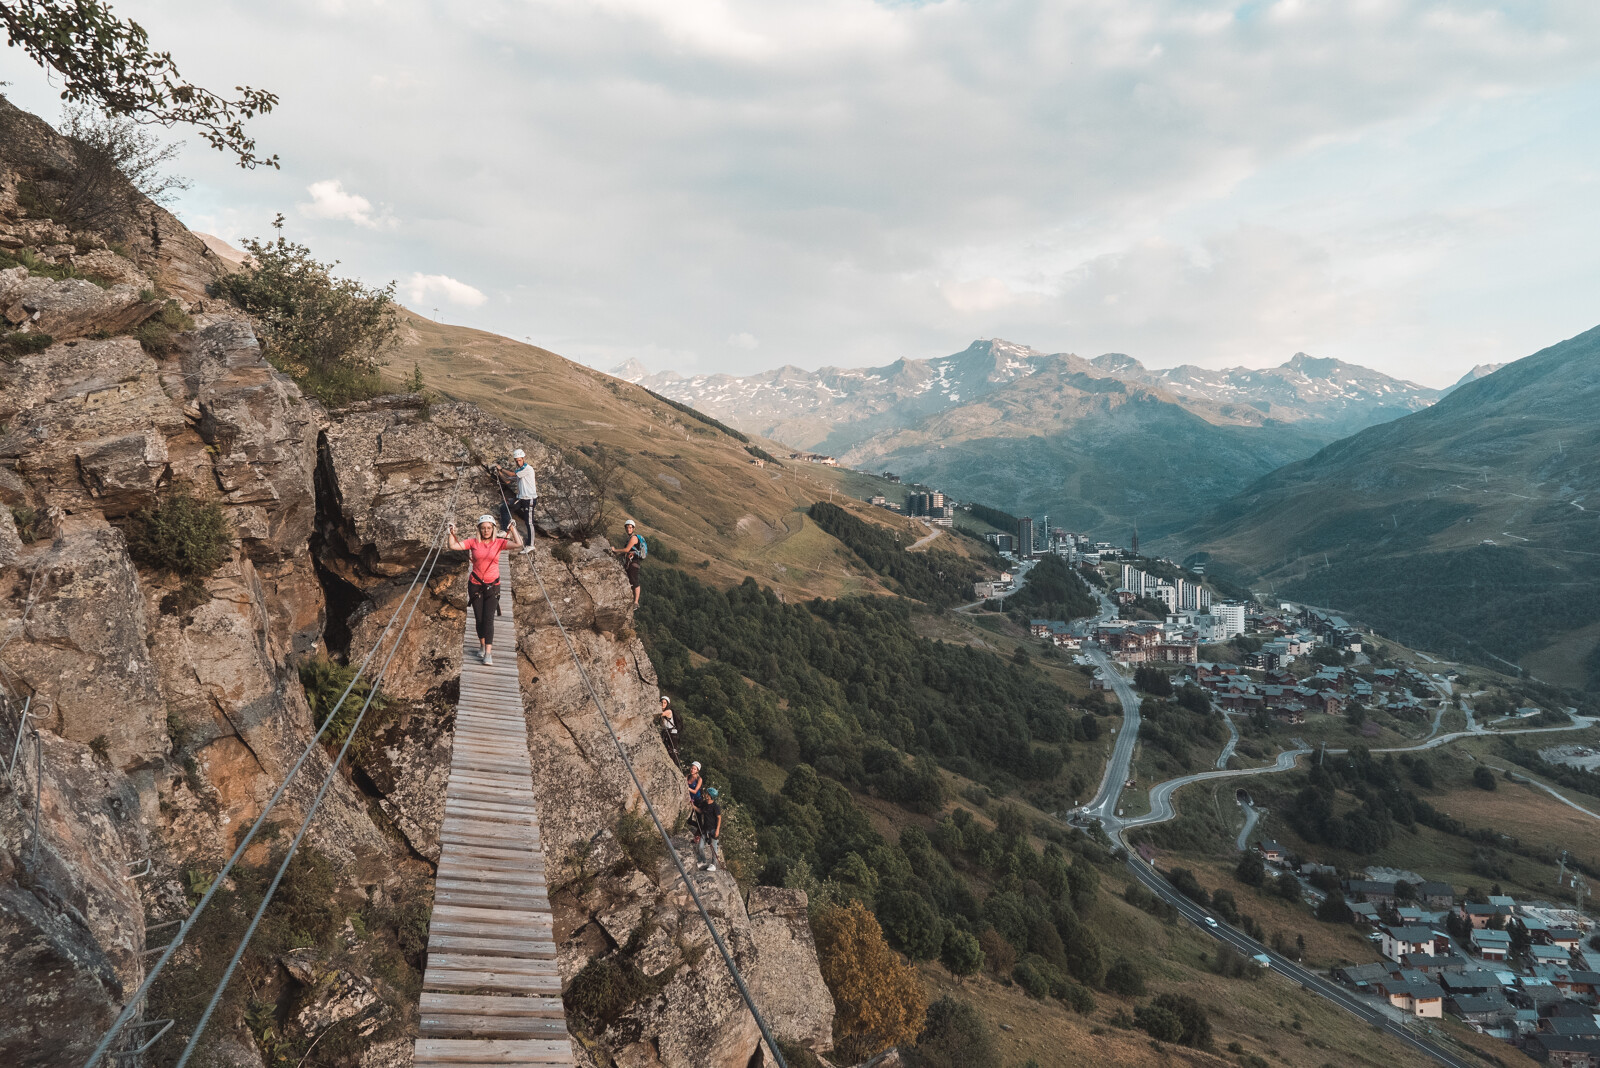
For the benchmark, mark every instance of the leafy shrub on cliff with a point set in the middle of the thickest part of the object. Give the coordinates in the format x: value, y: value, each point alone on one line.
x: 16, y: 344
x: 324, y: 681
x: 331, y: 334
x: 879, y: 997
x: 953, y: 1036
x: 180, y: 534
x: 156, y: 333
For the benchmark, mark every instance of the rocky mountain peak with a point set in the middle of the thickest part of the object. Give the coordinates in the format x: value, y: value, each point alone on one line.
x: 630, y: 371
x: 1119, y: 364
x: 1315, y: 366
x: 1482, y: 370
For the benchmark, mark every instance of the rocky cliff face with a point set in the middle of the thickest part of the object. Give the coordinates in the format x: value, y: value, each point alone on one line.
x: 168, y: 716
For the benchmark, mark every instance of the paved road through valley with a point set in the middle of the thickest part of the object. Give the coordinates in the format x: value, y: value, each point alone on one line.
x: 1316, y: 984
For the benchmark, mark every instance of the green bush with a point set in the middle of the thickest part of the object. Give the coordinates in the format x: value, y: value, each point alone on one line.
x: 16, y: 344
x: 638, y: 837
x: 953, y: 1036
x: 910, y: 924
x: 156, y: 334
x: 324, y: 681
x: 180, y: 534
x: 1176, y: 1018
x: 1159, y: 1023
x: 330, y: 334
x: 961, y: 952
x: 1124, y: 978
x: 24, y: 518
x: 1032, y: 979
x: 599, y: 991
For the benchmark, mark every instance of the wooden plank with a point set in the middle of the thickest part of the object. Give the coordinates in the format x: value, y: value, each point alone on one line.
x: 455, y: 861
x: 493, y: 835
x: 532, y: 948
x: 490, y: 895
x: 463, y: 780
x: 490, y: 812
x: 487, y: 878
x: 460, y: 962
x: 462, y: 818
x: 456, y: 836
x: 498, y: 803
x: 457, y: 1051
x: 525, y: 855
x: 489, y: 871
x: 471, y: 832
x: 466, y: 894
x: 479, y: 914
x: 459, y: 1025
x: 492, y: 1006
x: 508, y: 932
x: 503, y: 811
x: 511, y: 983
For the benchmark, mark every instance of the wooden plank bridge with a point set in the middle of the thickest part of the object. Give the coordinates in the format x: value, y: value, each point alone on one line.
x: 492, y: 992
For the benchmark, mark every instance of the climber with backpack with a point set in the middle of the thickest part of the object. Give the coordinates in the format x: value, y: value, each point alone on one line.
x: 711, y: 825
x: 632, y: 551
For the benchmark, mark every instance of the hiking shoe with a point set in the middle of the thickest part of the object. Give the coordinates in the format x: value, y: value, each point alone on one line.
x: 488, y: 660
x: 711, y: 867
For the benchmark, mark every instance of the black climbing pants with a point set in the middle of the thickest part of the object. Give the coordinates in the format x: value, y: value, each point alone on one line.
x: 485, y: 601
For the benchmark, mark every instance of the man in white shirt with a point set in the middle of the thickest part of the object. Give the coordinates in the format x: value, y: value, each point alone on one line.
x: 527, y: 487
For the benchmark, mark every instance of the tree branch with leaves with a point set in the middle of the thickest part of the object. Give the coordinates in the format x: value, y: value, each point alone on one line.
x: 107, y: 61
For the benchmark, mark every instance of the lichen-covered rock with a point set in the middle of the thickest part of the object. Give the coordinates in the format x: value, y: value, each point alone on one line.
x: 88, y: 424
x: 70, y: 307
x: 243, y: 717
x: 581, y: 783
x: 80, y: 638
x: 408, y: 763
x: 262, y: 436
x: 787, y: 980
x: 71, y: 922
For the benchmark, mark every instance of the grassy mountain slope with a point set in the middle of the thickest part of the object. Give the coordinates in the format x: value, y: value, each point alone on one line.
x: 1471, y: 528
x: 681, y: 478
x: 1093, y: 451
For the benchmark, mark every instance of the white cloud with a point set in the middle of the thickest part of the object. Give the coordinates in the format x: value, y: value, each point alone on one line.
x: 330, y: 200
x: 744, y: 340
x: 422, y: 289
x: 1405, y: 183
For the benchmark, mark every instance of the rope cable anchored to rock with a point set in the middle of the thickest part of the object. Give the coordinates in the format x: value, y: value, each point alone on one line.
x: 131, y: 1008
x: 666, y: 838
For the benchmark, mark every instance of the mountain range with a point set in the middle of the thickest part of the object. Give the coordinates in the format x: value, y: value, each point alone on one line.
x: 1471, y: 528
x: 1103, y: 443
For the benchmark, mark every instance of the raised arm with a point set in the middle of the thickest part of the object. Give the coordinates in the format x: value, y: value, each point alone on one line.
x: 514, y: 535
x: 455, y: 542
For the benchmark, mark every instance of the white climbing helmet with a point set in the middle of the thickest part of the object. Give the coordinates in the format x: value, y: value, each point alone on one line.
x: 518, y: 454
x: 695, y: 766
x: 629, y: 523
x: 482, y: 519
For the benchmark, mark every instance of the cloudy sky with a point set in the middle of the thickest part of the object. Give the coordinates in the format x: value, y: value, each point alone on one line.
x: 730, y: 185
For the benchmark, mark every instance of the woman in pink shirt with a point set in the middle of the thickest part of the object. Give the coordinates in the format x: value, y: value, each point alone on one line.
x: 483, y: 585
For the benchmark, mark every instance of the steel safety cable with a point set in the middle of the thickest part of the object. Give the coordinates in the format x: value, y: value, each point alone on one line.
x: 727, y: 957
x: 132, y: 1007
x: 435, y: 551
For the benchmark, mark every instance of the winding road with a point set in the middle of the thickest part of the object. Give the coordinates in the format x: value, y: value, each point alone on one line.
x: 1104, y: 807
x: 1161, y: 793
